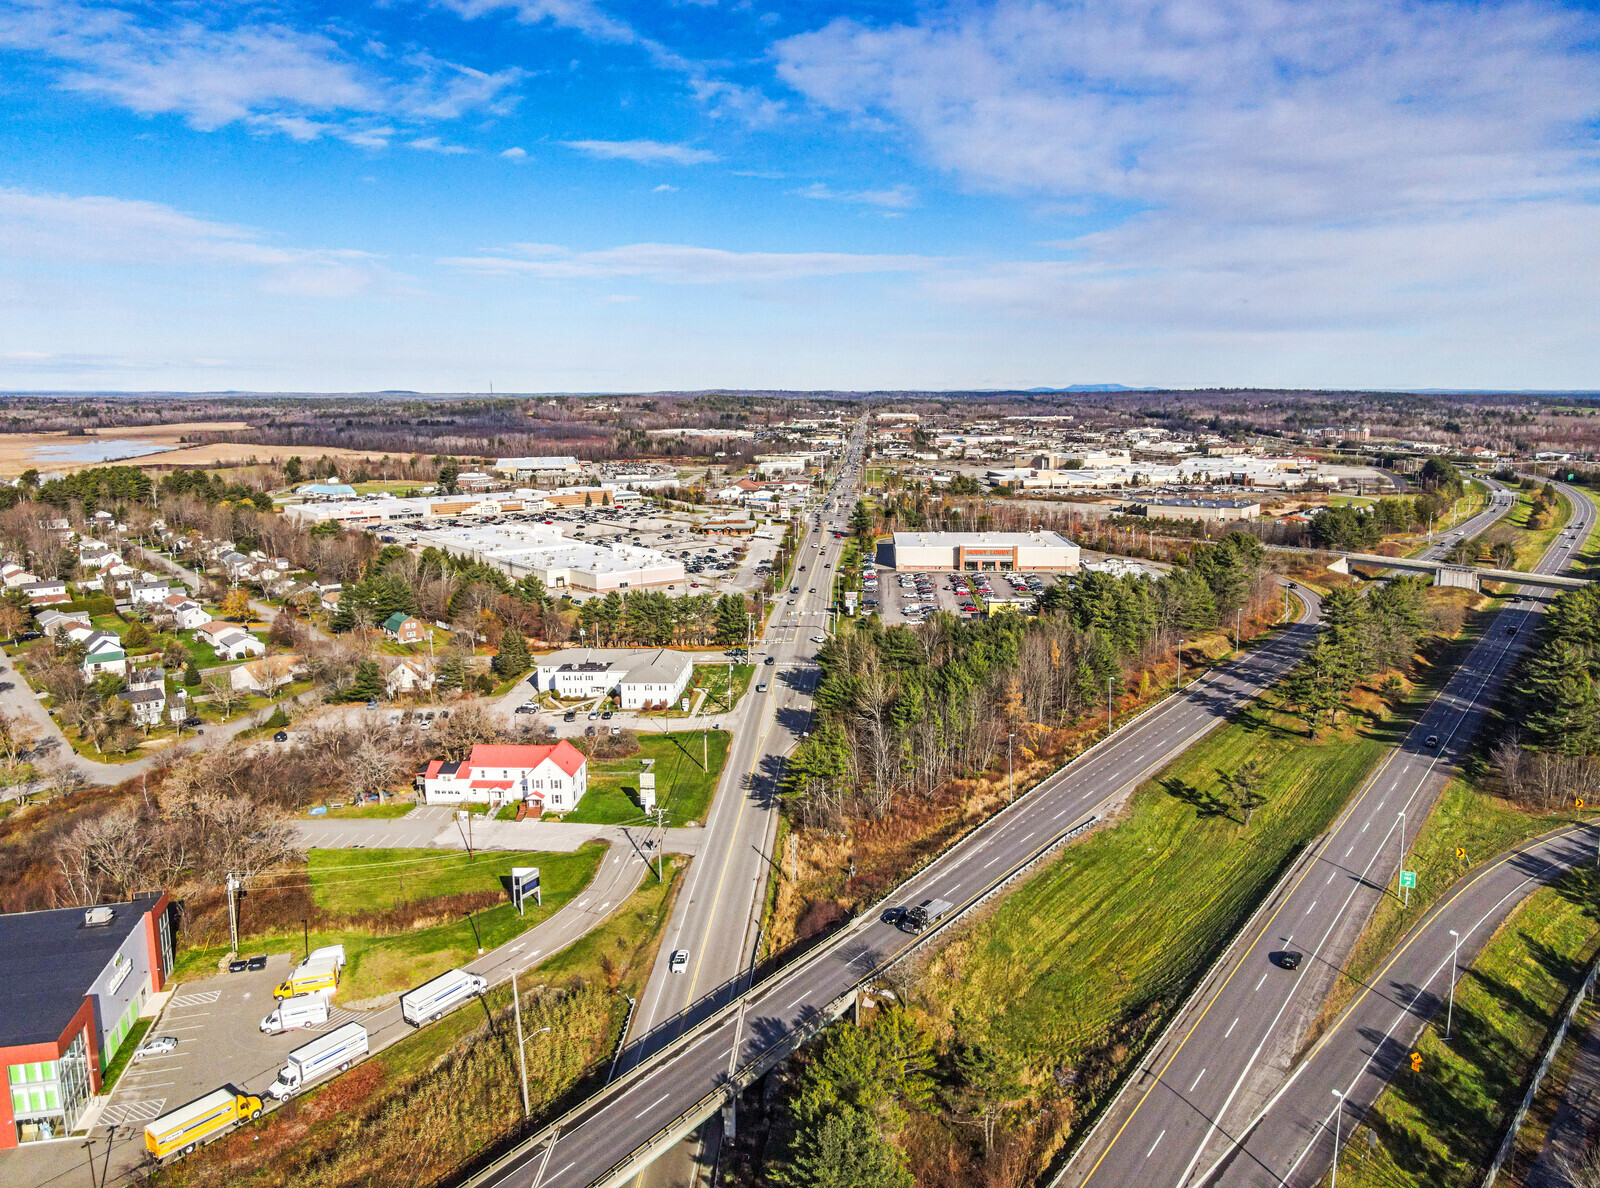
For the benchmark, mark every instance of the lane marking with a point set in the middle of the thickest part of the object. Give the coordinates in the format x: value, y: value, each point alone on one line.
x: 1197, y: 1080
x: 1155, y: 1144
x: 1258, y: 984
x: 1231, y: 1026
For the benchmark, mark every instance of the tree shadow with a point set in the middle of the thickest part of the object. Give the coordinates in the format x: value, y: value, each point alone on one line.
x: 1205, y: 804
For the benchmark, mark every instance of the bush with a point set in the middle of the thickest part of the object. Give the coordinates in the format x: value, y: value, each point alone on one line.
x: 278, y: 719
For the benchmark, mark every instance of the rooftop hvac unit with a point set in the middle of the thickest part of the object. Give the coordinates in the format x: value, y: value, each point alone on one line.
x: 98, y: 917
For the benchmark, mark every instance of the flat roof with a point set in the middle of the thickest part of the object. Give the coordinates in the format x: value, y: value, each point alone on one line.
x: 953, y: 539
x: 48, y: 962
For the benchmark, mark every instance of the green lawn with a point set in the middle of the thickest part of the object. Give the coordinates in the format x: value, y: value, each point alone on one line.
x: 124, y: 1056
x: 356, y: 881
x: 683, y: 788
x: 1532, y: 543
x: 1089, y: 956
x: 713, y: 678
x: 1439, y: 1128
x: 380, y: 812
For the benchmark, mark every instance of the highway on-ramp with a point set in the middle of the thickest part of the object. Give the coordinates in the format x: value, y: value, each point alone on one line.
x: 1199, y: 1088
x: 631, y: 1113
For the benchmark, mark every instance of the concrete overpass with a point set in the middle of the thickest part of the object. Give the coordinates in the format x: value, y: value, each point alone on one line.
x: 1446, y: 573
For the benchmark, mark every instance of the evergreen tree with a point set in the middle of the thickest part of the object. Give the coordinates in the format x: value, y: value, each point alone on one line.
x: 367, y: 685
x: 191, y: 676
x: 844, y: 1151
x: 512, y: 659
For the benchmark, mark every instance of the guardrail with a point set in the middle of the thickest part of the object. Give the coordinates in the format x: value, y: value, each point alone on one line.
x: 701, y: 1109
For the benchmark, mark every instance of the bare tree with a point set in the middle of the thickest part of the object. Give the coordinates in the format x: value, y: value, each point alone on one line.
x: 373, y: 768
x: 223, y: 695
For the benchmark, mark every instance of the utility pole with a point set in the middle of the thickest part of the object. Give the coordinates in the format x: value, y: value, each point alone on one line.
x: 233, y: 910
x: 1181, y: 642
x: 464, y: 827
x: 1402, y: 866
x: 1337, y: 1110
x: 661, y: 842
x: 1237, y: 611
x: 1450, y: 1011
x: 522, y: 1057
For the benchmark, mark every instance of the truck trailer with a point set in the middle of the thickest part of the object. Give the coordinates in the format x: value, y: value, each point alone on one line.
x: 185, y: 1128
x: 924, y: 915
x: 336, y: 1051
x: 433, y: 998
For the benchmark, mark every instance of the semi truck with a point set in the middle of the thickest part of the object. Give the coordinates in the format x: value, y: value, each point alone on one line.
x: 337, y: 1050
x: 303, y: 1010
x: 320, y: 970
x: 924, y: 915
x: 185, y: 1128
x: 433, y: 998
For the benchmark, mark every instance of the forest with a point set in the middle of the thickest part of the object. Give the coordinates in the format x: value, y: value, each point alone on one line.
x: 1552, y: 752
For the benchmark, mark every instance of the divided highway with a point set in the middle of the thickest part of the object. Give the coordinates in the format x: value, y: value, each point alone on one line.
x: 592, y: 1145
x: 1197, y: 1091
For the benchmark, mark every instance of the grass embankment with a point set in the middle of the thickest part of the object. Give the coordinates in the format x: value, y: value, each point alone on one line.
x: 425, y: 1109
x: 683, y: 787
x: 1528, y: 542
x: 124, y: 1057
x: 1082, y: 965
x: 1440, y: 1127
x: 1547, y: 1101
x: 402, y: 915
x: 713, y: 678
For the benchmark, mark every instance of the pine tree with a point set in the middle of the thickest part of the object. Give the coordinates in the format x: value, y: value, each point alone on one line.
x: 368, y: 683
x: 512, y: 659
x: 191, y: 676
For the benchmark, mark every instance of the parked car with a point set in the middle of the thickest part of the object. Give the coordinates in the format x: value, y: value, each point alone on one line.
x: 281, y: 736
x: 527, y: 707
x: 593, y: 714
x: 606, y: 715
x: 570, y: 716
x: 160, y: 1046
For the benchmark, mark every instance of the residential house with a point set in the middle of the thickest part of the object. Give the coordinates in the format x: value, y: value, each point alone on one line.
x: 142, y: 593
x: 186, y: 612
x: 330, y: 600
x: 657, y: 681
x: 409, y: 674
x: 151, y: 676
x: 148, y: 705
x: 236, y: 565
x: 267, y: 675
x: 48, y: 592
x: 97, y: 556
x: 230, y: 641
x: 551, y: 778
x: 403, y: 628
x: 13, y: 575
x: 638, y: 679
x: 102, y: 653
x: 51, y: 621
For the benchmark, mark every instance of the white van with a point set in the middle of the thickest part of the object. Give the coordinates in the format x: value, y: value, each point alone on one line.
x: 303, y: 1010
x: 339, y: 1049
x: 432, y: 999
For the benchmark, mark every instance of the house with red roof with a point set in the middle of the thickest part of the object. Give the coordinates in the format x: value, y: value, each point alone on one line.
x: 550, y: 778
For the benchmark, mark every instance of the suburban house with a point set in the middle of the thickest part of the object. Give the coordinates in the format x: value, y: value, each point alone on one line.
x: 47, y: 592
x: 102, y: 652
x: 266, y: 675
x: 52, y: 621
x: 409, y: 674
x: 148, y: 593
x: 404, y: 628
x: 551, y: 778
x: 97, y: 556
x: 639, y: 679
x: 330, y: 600
x: 230, y: 641
x: 148, y: 704
x: 186, y: 612
x: 235, y: 565
x: 13, y: 575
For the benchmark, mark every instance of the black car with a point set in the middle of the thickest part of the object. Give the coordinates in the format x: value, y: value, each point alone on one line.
x: 1288, y: 959
x: 770, y: 660
x: 570, y: 716
x: 258, y: 962
x: 281, y: 736
x: 239, y: 965
x: 1433, y: 740
x: 606, y: 715
x: 192, y: 723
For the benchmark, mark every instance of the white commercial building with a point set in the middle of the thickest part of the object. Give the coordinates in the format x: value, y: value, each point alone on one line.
x: 552, y: 777
x: 639, y: 679
x: 558, y: 561
x: 982, y: 551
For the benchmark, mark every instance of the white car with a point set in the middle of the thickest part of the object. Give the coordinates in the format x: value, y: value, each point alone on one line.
x: 678, y: 962
x: 160, y: 1046
x: 819, y: 639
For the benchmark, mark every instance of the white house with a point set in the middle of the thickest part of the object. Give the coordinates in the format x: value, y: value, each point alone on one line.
x: 148, y: 704
x: 148, y: 593
x: 552, y: 777
x: 14, y: 575
x: 659, y: 680
x: 266, y: 675
x: 409, y: 674
x: 102, y: 652
x: 51, y: 621
x: 637, y: 678
x: 186, y: 613
x: 230, y: 642
x: 46, y: 592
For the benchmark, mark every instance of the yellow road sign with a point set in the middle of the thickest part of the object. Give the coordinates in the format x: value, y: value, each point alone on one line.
x: 1461, y: 852
x: 1416, y: 1062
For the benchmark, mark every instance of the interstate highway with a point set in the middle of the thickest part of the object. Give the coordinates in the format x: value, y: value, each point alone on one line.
x: 625, y: 1116
x: 1199, y: 1088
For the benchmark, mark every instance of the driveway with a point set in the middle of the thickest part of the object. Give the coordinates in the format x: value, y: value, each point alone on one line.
x: 433, y: 827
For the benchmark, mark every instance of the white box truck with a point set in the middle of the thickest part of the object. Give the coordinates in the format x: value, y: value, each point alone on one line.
x: 303, y: 1010
x: 433, y: 998
x: 337, y: 1050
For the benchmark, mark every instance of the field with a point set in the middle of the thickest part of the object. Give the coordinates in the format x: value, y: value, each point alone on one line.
x: 683, y: 788
x: 1440, y: 1127
x: 713, y: 678
x: 385, y: 907
x: 1087, y: 958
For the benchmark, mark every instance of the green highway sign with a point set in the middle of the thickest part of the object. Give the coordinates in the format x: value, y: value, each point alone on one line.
x: 1408, y: 878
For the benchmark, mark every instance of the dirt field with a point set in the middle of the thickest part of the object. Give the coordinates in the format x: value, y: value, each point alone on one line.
x: 47, y: 451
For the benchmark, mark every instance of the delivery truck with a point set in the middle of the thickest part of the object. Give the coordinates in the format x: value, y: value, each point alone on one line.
x: 433, y: 998
x: 303, y: 1010
x: 336, y: 1051
x: 320, y: 970
x: 185, y: 1128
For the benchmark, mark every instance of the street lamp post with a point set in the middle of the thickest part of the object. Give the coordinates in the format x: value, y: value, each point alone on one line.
x: 1337, y: 1111
x: 1450, y: 1011
x: 1181, y: 642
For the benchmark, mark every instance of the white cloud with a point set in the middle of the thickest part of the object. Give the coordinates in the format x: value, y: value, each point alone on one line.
x: 682, y: 264
x: 895, y: 198
x: 663, y: 188
x: 64, y: 230
x: 432, y: 144
x: 302, y: 83
x: 644, y: 152
x: 515, y: 154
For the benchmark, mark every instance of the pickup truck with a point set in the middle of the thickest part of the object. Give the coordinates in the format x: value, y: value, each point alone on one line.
x: 924, y: 915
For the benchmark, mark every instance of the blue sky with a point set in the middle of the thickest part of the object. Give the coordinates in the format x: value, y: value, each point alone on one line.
x: 582, y: 195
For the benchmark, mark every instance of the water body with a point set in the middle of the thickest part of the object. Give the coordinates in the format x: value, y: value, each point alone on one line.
x: 95, y: 449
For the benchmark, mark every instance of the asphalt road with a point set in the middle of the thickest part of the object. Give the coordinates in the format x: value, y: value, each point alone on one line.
x: 717, y: 913
x: 623, y: 1118
x: 1199, y: 1089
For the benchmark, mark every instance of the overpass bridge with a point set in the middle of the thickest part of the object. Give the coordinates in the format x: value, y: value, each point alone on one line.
x: 1445, y: 573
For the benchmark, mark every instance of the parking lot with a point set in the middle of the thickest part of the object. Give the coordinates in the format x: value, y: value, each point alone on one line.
x: 912, y: 597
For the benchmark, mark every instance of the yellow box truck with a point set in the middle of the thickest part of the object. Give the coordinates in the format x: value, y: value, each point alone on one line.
x: 185, y: 1128
x: 319, y: 971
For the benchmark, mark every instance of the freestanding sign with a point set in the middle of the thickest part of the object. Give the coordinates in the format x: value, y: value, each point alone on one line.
x: 525, y: 880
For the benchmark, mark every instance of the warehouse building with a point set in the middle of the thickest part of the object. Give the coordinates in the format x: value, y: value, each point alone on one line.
x: 560, y: 562
x: 73, y: 982
x: 985, y: 551
x: 1211, y: 511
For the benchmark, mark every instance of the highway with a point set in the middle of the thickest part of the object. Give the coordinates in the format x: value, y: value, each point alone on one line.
x: 626, y: 1116
x: 1199, y: 1088
x: 718, y: 909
